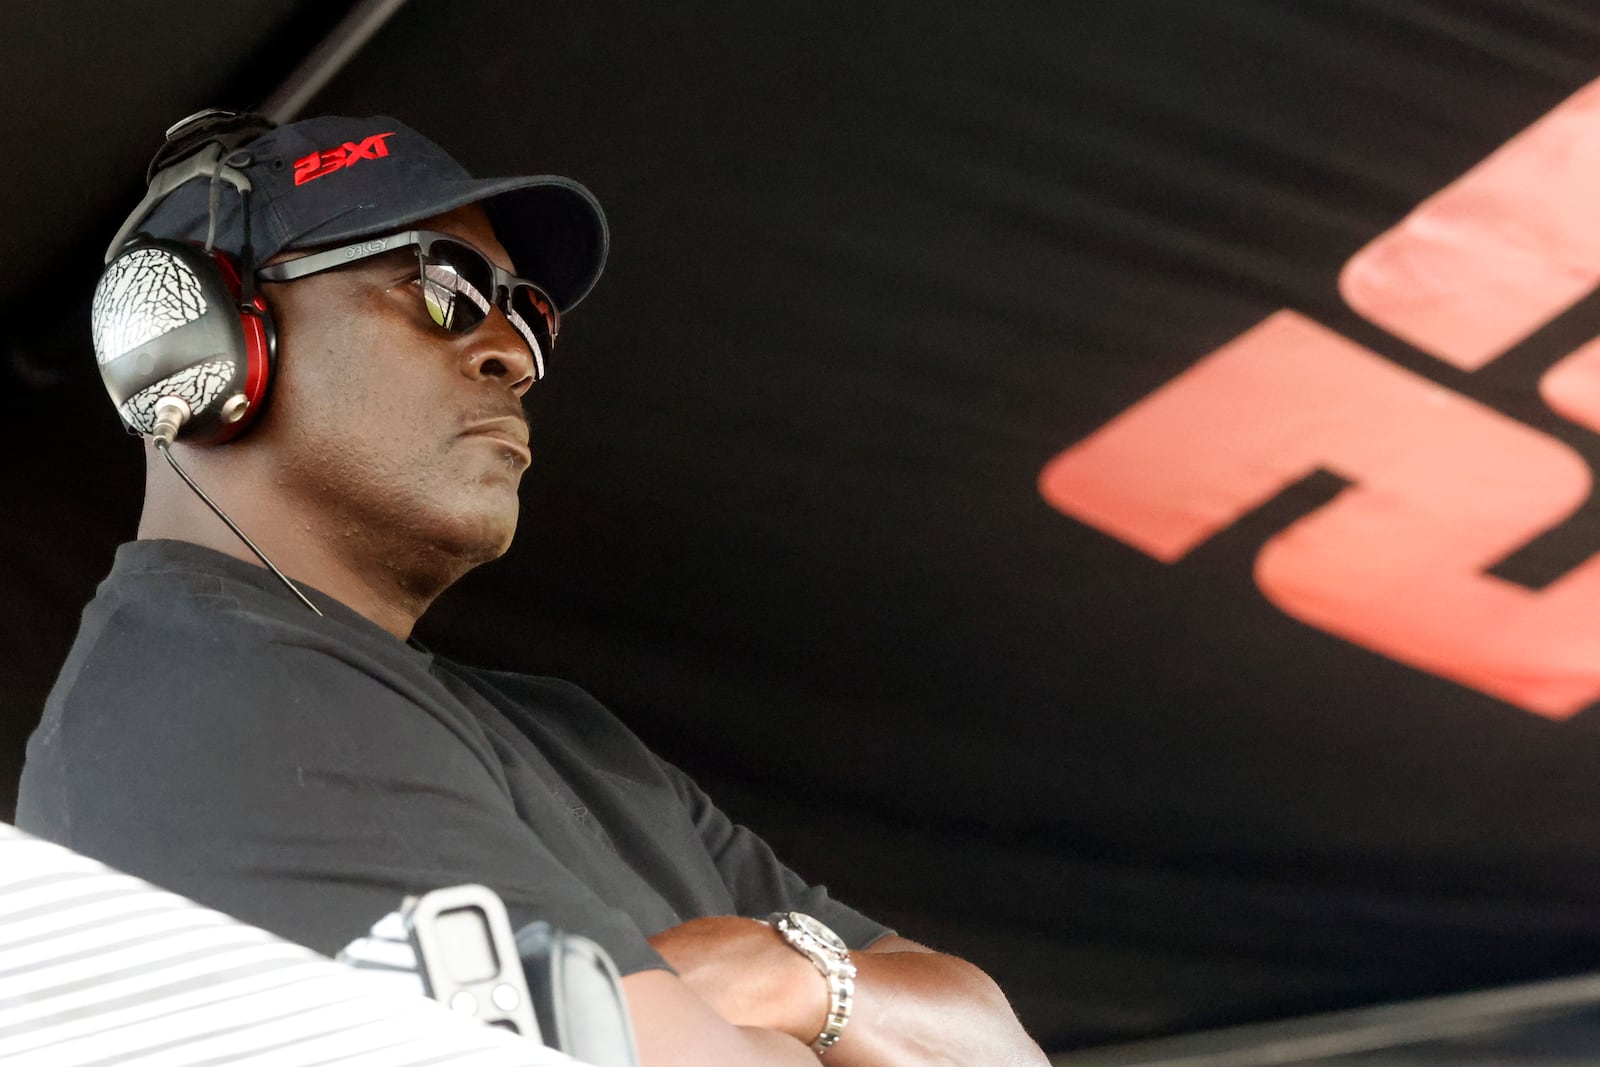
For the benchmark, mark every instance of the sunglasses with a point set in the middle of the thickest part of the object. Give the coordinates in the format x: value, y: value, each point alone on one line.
x: 459, y: 285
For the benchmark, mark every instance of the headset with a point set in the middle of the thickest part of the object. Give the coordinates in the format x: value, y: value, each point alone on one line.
x: 183, y: 340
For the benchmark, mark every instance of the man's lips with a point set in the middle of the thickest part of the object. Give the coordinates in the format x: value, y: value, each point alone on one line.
x: 510, y: 430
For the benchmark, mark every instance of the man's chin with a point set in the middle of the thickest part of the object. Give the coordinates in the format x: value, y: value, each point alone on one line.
x: 472, y: 529
x: 484, y: 540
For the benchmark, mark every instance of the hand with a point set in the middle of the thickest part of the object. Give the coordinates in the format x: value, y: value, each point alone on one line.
x: 746, y: 971
x: 913, y: 1007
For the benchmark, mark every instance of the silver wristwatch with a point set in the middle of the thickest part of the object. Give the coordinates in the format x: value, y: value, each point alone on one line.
x: 829, y: 955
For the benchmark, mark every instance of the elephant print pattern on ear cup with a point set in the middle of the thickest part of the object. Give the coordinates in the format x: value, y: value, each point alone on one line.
x: 144, y: 294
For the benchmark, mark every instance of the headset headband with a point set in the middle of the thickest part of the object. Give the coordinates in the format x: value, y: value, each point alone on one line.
x: 194, y: 147
x: 203, y: 164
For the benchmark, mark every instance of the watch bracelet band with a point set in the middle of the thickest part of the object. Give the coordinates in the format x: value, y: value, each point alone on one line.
x: 841, y: 994
x: 834, y: 965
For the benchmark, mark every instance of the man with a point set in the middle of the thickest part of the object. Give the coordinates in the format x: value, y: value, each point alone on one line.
x: 303, y: 764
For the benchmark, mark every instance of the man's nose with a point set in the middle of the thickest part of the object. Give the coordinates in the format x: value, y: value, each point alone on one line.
x: 496, y: 350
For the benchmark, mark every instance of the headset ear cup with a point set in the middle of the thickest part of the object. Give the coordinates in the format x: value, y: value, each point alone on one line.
x: 167, y: 323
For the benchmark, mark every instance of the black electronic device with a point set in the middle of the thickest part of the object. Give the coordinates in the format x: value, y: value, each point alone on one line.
x: 577, y: 996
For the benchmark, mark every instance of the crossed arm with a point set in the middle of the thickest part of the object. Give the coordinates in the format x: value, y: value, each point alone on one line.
x: 741, y: 995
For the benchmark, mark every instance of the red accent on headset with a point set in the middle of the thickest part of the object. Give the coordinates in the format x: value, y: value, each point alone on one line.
x: 257, y: 369
x: 256, y: 346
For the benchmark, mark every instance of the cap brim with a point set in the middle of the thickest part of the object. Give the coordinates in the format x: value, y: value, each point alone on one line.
x: 552, y: 227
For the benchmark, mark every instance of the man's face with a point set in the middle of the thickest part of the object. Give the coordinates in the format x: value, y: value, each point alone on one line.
x: 400, y: 436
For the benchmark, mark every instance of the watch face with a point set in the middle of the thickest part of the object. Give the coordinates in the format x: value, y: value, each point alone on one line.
x: 819, y: 931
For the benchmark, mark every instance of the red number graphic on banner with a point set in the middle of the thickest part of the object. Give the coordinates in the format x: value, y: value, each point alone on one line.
x: 1572, y: 387
x: 1443, y: 487
x: 1499, y: 252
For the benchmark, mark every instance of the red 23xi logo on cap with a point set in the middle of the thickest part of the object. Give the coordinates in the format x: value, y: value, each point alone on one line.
x: 346, y: 155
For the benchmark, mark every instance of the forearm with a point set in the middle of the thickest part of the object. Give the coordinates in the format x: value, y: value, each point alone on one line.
x: 920, y: 1009
x: 674, y: 1027
x: 771, y: 1049
x: 912, y: 1007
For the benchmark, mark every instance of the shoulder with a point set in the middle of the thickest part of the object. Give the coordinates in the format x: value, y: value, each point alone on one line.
x: 558, y: 705
x: 211, y: 656
x: 193, y: 637
x: 526, y: 688
x: 564, y: 721
x: 173, y: 698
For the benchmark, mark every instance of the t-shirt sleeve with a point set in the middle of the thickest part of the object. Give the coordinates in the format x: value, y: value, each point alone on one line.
x: 759, y: 882
x: 286, y: 786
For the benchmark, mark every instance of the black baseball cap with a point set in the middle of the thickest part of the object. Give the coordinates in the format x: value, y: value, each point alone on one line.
x: 333, y: 179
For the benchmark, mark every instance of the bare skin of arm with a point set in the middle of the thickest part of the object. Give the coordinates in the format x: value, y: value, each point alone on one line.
x: 913, y: 1006
x: 675, y: 1027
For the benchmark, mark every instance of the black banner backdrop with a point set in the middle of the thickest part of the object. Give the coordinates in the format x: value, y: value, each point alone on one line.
x: 875, y: 268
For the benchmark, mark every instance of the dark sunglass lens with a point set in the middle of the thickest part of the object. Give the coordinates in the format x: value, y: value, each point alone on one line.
x: 457, y: 285
x: 535, y: 308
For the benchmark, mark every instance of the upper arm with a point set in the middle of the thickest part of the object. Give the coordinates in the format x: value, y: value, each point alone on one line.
x: 758, y: 881
x: 896, y: 943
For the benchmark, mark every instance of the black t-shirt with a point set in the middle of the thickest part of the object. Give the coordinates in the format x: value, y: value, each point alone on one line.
x: 211, y: 735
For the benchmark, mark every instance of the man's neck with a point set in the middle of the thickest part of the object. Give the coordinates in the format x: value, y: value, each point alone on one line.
x: 383, y: 603
x: 390, y: 587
